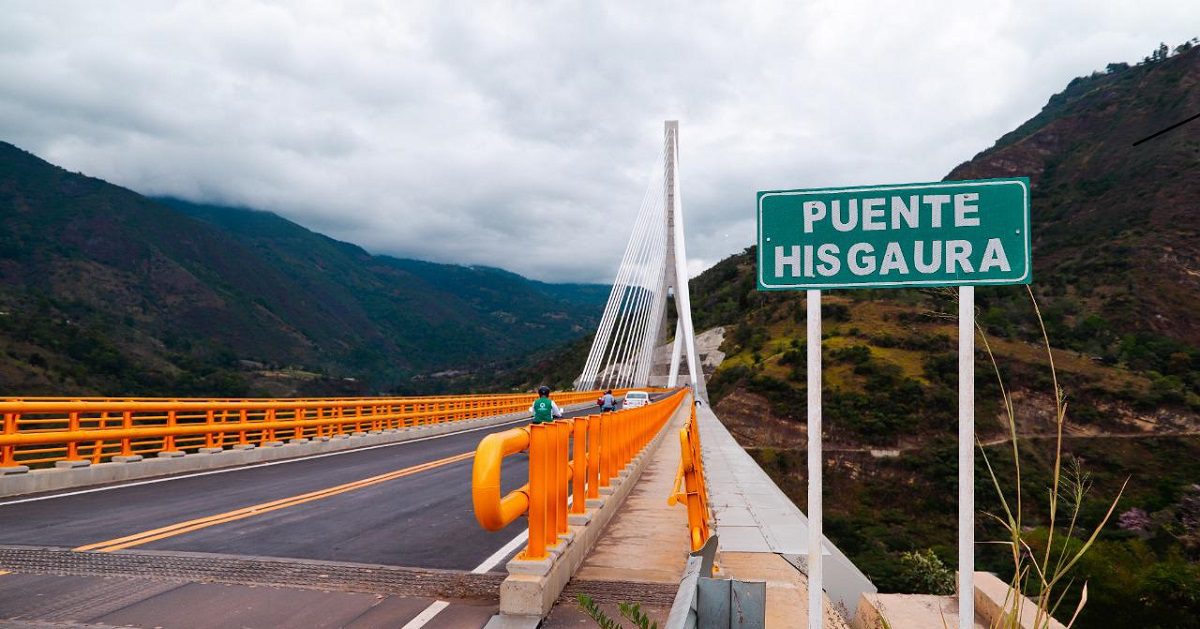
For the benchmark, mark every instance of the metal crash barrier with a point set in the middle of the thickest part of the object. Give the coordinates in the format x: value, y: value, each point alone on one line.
x: 691, y: 476
x: 41, y: 431
x: 569, y: 458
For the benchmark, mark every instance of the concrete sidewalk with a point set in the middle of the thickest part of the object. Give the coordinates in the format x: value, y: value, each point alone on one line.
x: 645, y: 543
x: 647, y: 539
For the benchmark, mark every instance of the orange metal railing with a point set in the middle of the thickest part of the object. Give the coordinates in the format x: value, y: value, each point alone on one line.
x: 568, y: 458
x: 39, y: 431
x: 691, y: 476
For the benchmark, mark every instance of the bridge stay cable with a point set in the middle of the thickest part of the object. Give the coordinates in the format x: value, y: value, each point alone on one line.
x: 641, y: 308
x: 653, y: 270
x: 654, y: 312
x: 627, y: 286
x: 616, y: 297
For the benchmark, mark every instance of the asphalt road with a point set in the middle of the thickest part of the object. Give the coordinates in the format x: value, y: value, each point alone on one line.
x: 422, y: 519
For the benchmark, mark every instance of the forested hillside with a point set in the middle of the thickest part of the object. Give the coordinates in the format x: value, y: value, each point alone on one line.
x: 103, y: 291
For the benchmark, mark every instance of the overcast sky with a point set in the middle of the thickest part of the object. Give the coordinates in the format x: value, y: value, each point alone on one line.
x: 521, y: 135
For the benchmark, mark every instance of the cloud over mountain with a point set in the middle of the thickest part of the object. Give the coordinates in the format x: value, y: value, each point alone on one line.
x: 521, y: 136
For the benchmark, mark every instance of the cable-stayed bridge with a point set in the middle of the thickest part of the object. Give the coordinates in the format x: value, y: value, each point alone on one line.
x: 448, y: 511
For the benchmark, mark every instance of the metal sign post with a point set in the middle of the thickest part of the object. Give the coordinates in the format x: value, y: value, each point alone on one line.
x: 952, y: 233
x: 816, y: 604
x: 966, y: 457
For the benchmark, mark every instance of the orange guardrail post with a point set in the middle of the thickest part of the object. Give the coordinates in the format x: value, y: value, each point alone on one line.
x: 6, y: 452
x: 549, y: 534
x: 561, y: 463
x: 579, y: 465
x: 593, y: 457
x: 169, y: 440
x: 73, y: 447
x: 537, y: 492
x: 126, y: 442
x: 608, y: 448
x: 210, y: 436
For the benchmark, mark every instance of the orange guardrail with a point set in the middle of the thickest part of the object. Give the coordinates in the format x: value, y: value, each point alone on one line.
x: 567, y: 458
x: 691, y: 475
x: 38, y: 431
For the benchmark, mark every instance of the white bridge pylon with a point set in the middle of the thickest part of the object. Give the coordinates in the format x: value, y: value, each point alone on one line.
x: 653, y: 270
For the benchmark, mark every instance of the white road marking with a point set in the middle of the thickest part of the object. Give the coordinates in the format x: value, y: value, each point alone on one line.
x: 257, y: 465
x: 501, y: 554
x: 427, y: 615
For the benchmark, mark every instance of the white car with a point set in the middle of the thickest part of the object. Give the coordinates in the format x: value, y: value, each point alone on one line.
x: 634, y: 399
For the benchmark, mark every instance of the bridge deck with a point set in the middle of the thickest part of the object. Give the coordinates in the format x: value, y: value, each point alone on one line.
x: 313, y: 541
x: 350, y: 516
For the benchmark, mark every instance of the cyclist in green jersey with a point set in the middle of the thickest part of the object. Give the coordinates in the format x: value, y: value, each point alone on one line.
x: 544, y: 409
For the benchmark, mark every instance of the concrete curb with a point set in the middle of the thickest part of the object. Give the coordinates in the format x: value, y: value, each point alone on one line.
x: 138, y: 468
x: 532, y: 587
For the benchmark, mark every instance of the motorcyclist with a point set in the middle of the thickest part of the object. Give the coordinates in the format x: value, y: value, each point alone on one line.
x: 608, y: 403
x: 544, y: 409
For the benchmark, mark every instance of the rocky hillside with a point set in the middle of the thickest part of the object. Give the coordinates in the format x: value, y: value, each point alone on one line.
x: 103, y: 291
x: 1117, y: 230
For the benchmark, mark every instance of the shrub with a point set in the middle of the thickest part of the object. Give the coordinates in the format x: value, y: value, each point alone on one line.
x: 923, y: 572
x: 851, y: 354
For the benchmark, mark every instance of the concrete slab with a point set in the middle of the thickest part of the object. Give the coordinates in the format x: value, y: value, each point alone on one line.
x: 46, y: 600
x: 391, y: 611
x: 463, y: 615
x: 215, y: 606
x: 567, y: 615
x: 787, y: 588
x: 509, y: 621
x: 909, y: 611
x: 71, y: 599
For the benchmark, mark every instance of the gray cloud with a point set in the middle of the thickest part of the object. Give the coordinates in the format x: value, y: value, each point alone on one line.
x: 522, y: 136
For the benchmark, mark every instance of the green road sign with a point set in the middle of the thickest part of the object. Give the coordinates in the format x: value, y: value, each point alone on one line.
x: 953, y: 233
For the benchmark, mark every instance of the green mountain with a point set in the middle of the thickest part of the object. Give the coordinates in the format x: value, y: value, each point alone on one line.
x: 103, y: 291
x: 1116, y: 249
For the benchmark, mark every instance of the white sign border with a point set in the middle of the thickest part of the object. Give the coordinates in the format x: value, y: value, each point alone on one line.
x: 1027, y: 259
